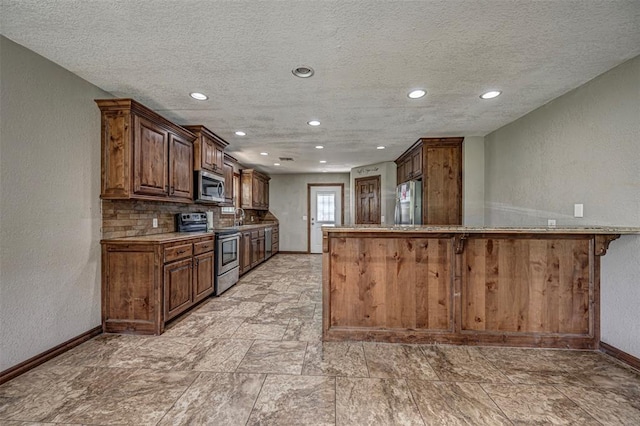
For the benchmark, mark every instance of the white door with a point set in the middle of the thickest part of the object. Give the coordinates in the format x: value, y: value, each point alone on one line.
x: 326, y: 210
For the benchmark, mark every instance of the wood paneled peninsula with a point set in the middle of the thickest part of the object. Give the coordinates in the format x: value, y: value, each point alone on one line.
x: 537, y: 287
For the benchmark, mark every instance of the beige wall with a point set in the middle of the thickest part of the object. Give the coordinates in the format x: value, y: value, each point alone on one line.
x: 288, y: 202
x: 473, y: 181
x: 583, y: 147
x: 49, y: 205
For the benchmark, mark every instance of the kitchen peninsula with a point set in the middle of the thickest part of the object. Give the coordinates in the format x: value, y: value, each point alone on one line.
x: 537, y: 287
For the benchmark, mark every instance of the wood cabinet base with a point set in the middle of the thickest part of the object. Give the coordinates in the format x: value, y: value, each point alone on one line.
x: 536, y: 290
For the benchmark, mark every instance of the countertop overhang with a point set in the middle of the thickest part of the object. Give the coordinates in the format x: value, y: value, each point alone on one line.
x: 577, y: 230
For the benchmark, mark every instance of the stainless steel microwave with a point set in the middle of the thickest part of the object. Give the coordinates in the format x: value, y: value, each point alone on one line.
x: 209, y: 188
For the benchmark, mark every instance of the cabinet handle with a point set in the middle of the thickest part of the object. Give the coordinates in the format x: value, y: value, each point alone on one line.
x: 197, y: 262
x: 166, y: 188
x: 181, y: 252
x: 173, y: 190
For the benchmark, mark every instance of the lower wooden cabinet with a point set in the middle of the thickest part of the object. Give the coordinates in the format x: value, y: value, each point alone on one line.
x: 253, y: 248
x: 147, y: 282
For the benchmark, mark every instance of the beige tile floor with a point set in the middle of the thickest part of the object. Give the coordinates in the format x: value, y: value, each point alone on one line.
x: 255, y: 356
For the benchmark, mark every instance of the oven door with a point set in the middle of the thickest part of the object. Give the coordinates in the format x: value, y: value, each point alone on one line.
x: 228, y: 253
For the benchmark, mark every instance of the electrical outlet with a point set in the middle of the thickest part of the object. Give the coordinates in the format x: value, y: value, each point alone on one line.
x: 155, y: 222
x: 578, y: 210
x: 304, y: 217
x: 551, y: 223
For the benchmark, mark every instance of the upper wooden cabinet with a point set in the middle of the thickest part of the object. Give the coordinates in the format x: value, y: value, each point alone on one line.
x: 438, y: 163
x: 144, y: 155
x: 410, y: 165
x: 229, y: 188
x: 209, y: 150
x: 255, y: 190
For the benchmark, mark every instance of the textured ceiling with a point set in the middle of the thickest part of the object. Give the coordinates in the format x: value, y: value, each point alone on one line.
x: 367, y: 56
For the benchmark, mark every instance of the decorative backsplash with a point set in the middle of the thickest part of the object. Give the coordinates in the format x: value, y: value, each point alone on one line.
x: 129, y: 218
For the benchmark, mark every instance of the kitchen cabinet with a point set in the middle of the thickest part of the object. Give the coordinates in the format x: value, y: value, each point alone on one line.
x: 255, y: 190
x: 257, y: 247
x: 410, y: 165
x: 253, y: 248
x: 208, y: 150
x: 275, y: 240
x: 245, y: 252
x: 229, y: 189
x: 438, y: 163
x: 144, y: 155
x: 148, y: 280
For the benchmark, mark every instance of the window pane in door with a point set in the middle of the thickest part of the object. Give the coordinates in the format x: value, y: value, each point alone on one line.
x: 326, y: 207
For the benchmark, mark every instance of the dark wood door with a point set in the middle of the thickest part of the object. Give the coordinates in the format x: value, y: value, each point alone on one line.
x: 416, y: 163
x: 443, y: 186
x: 219, y: 158
x: 203, y: 276
x: 245, y: 252
x: 150, y: 153
x: 228, y: 183
x: 368, y: 200
x: 208, y: 154
x: 180, y: 167
x: 177, y: 287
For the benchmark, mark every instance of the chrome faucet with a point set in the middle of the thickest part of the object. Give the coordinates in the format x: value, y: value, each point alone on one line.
x: 236, y: 221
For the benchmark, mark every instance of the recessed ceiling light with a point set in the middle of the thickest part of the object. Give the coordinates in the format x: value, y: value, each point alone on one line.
x: 491, y: 94
x: 199, y: 96
x: 241, y: 133
x: 313, y: 123
x: 264, y: 153
x: 276, y: 164
x: 417, y: 94
x: 324, y: 171
x: 303, y: 72
x: 323, y: 161
x: 380, y: 147
x: 319, y: 146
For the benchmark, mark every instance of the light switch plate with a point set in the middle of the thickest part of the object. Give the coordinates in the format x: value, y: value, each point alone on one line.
x: 551, y: 223
x: 304, y: 217
x: 578, y: 210
x: 155, y: 222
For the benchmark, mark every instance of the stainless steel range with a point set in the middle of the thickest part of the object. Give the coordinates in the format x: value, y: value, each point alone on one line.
x: 227, y: 252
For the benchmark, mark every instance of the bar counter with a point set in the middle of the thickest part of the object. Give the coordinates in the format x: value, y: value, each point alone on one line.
x: 517, y: 286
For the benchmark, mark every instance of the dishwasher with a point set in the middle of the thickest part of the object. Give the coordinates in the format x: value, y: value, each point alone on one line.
x: 267, y: 242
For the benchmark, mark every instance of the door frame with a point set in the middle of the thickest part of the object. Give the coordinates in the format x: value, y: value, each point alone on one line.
x: 309, y: 185
x: 355, y: 196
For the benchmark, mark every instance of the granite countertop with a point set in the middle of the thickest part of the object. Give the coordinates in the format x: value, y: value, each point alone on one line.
x: 487, y: 229
x: 170, y: 237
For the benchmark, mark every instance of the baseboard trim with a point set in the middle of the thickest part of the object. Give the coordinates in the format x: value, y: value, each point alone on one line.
x: 294, y: 252
x: 620, y: 355
x: 45, y: 356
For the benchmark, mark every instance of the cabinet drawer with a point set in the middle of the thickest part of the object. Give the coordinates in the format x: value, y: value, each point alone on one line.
x: 275, y: 237
x: 178, y: 252
x: 261, y: 232
x: 254, y: 234
x: 202, y: 247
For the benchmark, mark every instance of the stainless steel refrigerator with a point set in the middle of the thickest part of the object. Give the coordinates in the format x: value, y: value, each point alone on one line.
x: 409, y: 203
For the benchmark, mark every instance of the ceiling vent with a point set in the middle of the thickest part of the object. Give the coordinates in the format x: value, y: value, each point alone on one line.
x: 286, y: 159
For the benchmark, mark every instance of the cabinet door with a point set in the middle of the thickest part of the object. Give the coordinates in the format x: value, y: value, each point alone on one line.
x: 443, y: 186
x: 416, y: 163
x: 228, y: 183
x: 256, y: 192
x: 245, y: 253
x: 265, y: 192
x: 261, y: 249
x: 178, y: 294
x: 203, y: 276
x: 208, y: 154
x: 219, y: 158
x: 150, y: 162
x: 180, y: 168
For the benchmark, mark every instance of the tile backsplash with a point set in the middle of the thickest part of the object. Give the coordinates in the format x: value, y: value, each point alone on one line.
x: 128, y: 218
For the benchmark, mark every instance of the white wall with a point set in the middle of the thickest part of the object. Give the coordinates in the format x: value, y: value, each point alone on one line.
x: 583, y: 147
x: 49, y: 205
x: 473, y: 181
x: 388, y: 177
x: 288, y: 202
